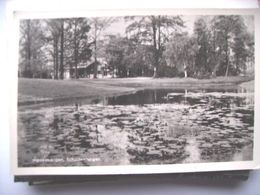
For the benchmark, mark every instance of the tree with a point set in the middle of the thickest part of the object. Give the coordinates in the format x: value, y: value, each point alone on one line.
x: 98, y: 25
x: 127, y: 57
x: 31, y: 58
x: 115, y: 51
x: 154, y: 30
x: 242, y: 47
x: 229, y: 31
x: 250, y: 57
x: 203, y: 41
x: 180, y: 53
x: 53, y: 38
x: 138, y: 59
x: 78, y: 43
x: 61, y: 69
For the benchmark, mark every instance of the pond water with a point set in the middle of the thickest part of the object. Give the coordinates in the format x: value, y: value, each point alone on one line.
x: 158, y: 126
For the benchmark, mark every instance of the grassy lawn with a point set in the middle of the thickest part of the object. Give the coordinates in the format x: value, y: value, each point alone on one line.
x: 147, y: 82
x: 40, y: 90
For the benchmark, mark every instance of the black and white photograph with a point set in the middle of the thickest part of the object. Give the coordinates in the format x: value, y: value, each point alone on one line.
x: 159, y: 89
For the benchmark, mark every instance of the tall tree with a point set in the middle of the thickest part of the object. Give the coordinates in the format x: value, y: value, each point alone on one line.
x: 53, y: 37
x: 115, y: 51
x: 31, y: 58
x: 241, y: 46
x: 203, y: 39
x: 127, y: 57
x: 180, y: 53
x: 98, y: 25
x: 61, y: 68
x: 250, y: 57
x: 155, y: 31
x: 229, y: 31
x: 137, y: 58
x: 78, y: 43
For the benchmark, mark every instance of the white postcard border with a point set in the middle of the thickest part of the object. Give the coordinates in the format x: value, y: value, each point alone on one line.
x: 15, y: 14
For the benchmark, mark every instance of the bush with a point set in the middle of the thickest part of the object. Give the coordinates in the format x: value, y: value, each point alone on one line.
x: 27, y: 74
x: 167, y: 71
x: 204, y: 76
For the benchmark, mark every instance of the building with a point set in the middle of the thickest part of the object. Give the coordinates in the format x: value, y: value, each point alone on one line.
x: 86, y: 70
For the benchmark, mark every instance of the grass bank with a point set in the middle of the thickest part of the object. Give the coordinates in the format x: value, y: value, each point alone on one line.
x: 41, y: 90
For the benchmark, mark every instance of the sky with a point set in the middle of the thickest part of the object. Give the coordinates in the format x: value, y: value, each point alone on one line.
x: 119, y: 26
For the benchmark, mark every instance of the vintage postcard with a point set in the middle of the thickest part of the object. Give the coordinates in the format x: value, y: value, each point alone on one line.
x: 134, y: 91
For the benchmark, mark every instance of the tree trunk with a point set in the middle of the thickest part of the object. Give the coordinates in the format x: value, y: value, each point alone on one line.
x: 70, y: 71
x: 215, y: 54
x: 76, y: 63
x: 154, y: 72
x: 62, y: 50
x: 28, y: 67
x: 155, y: 47
x: 227, y: 56
x: 215, y: 69
x: 56, y: 56
x: 185, y: 70
x: 227, y: 70
x: 159, y: 34
x: 95, y: 51
x: 75, y: 52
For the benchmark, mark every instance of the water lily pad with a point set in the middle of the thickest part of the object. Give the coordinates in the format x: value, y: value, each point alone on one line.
x: 154, y: 154
x: 206, y: 145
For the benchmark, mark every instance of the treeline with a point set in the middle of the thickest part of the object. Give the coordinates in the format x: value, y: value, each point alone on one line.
x: 155, y: 46
x: 49, y: 46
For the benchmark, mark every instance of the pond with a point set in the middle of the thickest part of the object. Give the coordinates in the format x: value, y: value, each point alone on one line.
x: 155, y: 126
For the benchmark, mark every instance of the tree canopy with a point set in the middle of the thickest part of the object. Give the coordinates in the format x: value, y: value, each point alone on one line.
x: 154, y: 45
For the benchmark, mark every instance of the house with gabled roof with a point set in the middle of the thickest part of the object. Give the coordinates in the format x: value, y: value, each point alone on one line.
x: 86, y: 70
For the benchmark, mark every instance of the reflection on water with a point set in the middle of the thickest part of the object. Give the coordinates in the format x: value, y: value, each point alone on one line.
x: 161, y: 96
x: 147, y: 127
